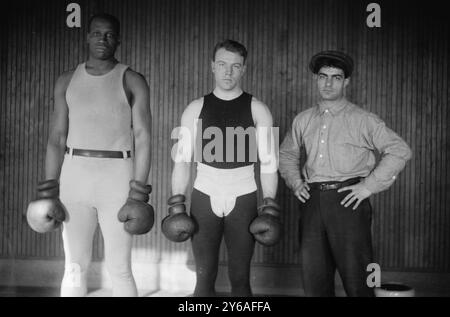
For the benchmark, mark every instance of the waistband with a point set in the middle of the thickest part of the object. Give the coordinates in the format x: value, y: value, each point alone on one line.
x: 223, y: 186
x: 98, y: 153
x: 225, y: 182
x: 334, y: 185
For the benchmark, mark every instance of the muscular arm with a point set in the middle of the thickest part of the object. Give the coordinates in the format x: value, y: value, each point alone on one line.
x: 266, y: 148
x: 142, y: 124
x: 56, y: 145
x: 184, y: 149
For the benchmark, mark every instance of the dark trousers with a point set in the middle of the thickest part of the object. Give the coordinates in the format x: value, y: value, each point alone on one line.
x: 335, y: 237
x: 234, y: 228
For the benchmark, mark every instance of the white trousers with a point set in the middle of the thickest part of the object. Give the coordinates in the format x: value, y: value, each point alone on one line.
x: 93, y: 190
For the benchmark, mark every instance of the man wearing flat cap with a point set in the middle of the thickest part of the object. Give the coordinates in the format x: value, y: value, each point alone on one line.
x: 339, y: 175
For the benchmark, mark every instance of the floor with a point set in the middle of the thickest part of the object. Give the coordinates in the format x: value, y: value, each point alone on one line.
x: 54, y: 292
x: 8, y: 291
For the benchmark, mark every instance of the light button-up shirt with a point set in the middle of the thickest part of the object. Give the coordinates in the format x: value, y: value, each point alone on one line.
x: 340, y: 143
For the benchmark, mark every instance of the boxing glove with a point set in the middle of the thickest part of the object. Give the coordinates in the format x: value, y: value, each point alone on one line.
x: 266, y: 228
x: 46, y: 213
x: 178, y: 226
x: 136, y: 214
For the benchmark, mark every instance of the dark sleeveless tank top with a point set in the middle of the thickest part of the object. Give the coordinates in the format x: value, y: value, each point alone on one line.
x: 236, y: 115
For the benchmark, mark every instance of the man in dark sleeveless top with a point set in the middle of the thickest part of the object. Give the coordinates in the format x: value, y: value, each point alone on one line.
x: 225, y: 132
x: 98, y: 160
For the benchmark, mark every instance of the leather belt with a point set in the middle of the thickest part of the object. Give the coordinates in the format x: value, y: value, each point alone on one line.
x: 334, y: 185
x: 99, y: 153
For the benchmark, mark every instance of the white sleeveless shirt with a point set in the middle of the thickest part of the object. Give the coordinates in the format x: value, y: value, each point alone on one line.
x: 99, y: 111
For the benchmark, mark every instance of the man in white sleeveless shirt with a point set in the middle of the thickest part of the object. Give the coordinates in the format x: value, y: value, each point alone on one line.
x: 97, y: 162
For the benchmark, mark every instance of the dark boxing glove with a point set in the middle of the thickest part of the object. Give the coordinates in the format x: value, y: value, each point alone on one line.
x: 137, y: 215
x: 46, y: 213
x: 266, y: 228
x: 178, y: 226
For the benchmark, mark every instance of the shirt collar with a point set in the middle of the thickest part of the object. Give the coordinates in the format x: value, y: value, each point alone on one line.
x: 334, y: 110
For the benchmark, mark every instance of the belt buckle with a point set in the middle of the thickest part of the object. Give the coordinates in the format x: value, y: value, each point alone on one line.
x: 334, y: 186
x: 324, y: 187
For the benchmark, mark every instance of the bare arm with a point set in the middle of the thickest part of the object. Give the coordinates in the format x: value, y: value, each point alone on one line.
x: 142, y: 124
x: 181, y: 173
x: 56, y: 145
x: 267, y: 149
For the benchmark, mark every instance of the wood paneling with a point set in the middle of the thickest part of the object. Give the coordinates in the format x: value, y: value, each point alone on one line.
x: 401, y: 74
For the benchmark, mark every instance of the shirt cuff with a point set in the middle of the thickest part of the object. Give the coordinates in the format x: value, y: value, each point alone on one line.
x: 375, y: 186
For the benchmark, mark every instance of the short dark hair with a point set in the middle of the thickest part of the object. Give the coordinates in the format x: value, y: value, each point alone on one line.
x: 232, y: 46
x: 108, y: 17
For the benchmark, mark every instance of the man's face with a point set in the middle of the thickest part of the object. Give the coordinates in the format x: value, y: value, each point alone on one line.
x: 102, y: 39
x: 331, y: 83
x: 228, y: 68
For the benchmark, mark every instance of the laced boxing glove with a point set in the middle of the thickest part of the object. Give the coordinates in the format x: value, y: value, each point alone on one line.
x: 47, y: 212
x: 136, y: 214
x: 266, y: 228
x: 178, y: 226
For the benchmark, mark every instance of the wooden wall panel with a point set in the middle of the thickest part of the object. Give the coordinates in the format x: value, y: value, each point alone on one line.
x: 401, y: 74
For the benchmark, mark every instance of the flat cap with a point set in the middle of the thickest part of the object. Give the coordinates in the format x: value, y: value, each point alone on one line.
x: 335, y: 58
